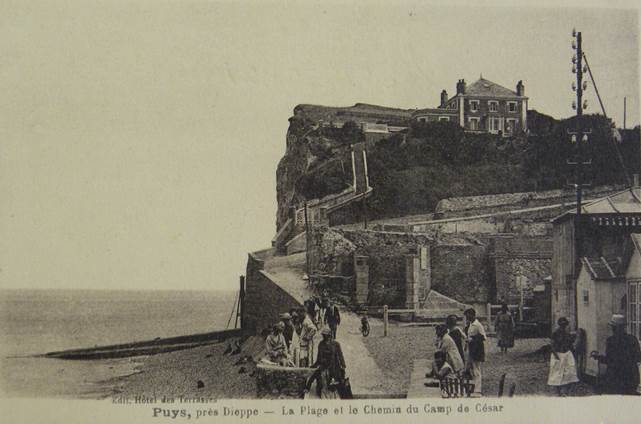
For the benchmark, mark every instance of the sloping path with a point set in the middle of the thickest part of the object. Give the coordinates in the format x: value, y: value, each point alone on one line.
x: 365, y: 376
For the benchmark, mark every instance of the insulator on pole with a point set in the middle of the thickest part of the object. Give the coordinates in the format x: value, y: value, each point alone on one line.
x: 574, y: 59
x: 573, y: 32
x: 574, y: 44
x: 585, y: 69
x: 585, y: 104
x: 574, y: 105
x: 574, y: 69
x: 573, y: 86
x: 585, y: 85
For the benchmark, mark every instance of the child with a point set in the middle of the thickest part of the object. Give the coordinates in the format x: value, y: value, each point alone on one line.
x: 440, y: 368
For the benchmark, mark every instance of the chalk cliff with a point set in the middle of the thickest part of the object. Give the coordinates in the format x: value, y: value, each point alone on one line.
x: 414, y: 165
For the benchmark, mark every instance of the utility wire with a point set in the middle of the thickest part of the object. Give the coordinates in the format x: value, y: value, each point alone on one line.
x: 616, y: 146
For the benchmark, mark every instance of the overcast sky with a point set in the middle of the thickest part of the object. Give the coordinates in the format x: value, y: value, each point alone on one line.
x: 139, y: 140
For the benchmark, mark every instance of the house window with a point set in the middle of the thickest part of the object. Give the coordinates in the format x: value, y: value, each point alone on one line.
x: 495, y: 125
x: 422, y: 119
x: 511, y: 106
x: 473, y: 124
x: 634, y: 308
x: 453, y: 105
x: 474, y: 105
x: 510, y: 126
x: 443, y: 118
x: 493, y: 106
x: 586, y: 297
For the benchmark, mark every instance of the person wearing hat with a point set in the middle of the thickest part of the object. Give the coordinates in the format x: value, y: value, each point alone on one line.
x: 622, y: 357
x: 475, y: 333
x: 308, y: 331
x: 275, y: 346
x: 294, y: 346
x: 331, y: 316
x: 562, y: 364
x: 330, y: 367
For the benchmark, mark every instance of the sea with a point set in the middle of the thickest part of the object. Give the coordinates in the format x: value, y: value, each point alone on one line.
x: 34, y: 322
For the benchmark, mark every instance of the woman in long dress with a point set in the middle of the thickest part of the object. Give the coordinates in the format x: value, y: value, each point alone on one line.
x: 562, y: 364
x: 504, y: 326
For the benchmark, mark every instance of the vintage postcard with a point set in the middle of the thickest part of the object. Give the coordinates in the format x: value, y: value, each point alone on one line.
x: 277, y: 211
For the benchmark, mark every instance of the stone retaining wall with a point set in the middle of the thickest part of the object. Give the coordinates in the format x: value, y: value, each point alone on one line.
x: 275, y: 382
x: 264, y: 299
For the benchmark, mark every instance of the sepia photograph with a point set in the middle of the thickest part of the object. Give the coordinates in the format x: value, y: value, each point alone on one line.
x: 271, y: 211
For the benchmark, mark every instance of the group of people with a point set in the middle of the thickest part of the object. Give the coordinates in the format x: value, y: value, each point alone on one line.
x: 459, y: 353
x: 291, y: 344
x: 622, y: 357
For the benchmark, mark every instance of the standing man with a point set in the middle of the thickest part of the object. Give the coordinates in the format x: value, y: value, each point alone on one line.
x: 476, y: 337
x: 332, y: 316
x: 330, y: 367
x: 622, y: 356
x: 307, y: 333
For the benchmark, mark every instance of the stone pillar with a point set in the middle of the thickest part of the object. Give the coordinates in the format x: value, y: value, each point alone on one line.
x: 361, y: 273
x: 412, y: 272
x: 425, y: 258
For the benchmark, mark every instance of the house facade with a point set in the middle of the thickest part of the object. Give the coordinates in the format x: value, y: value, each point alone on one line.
x: 484, y: 106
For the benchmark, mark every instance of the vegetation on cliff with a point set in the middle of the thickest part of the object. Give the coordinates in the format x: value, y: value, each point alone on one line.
x: 412, y: 170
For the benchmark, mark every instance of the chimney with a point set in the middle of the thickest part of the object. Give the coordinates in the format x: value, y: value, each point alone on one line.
x: 520, y: 88
x: 460, y: 86
x: 443, y: 98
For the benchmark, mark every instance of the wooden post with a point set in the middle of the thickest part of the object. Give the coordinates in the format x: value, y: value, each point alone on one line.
x: 307, y: 258
x: 489, y: 316
x: 521, y: 305
x: 385, y: 320
x: 241, y: 301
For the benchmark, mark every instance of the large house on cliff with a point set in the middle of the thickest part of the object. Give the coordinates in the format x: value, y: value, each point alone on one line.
x: 482, y: 107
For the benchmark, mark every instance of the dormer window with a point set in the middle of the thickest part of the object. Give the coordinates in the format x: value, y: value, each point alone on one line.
x: 452, y: 106
x: 474, y: 105
x: 511, y: 106
x: 493, y: 106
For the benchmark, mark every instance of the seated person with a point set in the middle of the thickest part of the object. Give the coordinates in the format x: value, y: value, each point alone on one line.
x: 440, y: 368
x: 276, y: 347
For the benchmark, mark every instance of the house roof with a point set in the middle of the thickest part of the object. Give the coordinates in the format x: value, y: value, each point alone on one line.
x: 603, y: 269
x: 487, y: 88
x: 624, y: 202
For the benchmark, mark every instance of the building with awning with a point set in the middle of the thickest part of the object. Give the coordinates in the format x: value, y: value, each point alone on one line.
x: 605, y: 227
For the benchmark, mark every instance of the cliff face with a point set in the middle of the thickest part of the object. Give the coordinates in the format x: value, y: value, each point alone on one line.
x: 415, y: 165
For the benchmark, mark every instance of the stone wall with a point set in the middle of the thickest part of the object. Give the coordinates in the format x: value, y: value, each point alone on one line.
x: 264, y: 299
x: 527, y: 257
x: 333, y: 251
x: 462, y: 272
x: 274, y: 382
x: 477, y: 205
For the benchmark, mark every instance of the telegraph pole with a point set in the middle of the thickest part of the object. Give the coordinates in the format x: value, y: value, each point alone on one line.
x: 579, y: 137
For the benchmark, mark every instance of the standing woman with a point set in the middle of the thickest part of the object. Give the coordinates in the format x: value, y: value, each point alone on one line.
x: 562, y: 364
x: 504, y: 326
x: 476, y: 337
